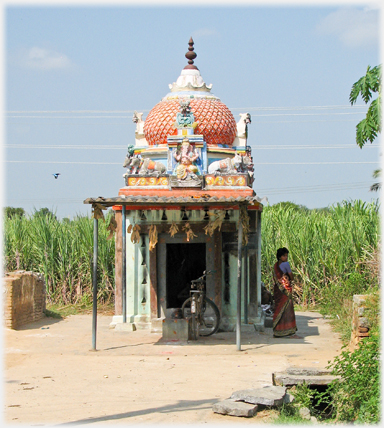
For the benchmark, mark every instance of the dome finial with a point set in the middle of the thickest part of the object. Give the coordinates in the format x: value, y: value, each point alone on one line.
x: 190, y: 55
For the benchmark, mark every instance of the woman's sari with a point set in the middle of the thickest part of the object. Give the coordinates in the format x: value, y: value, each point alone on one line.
x: 284, y: 321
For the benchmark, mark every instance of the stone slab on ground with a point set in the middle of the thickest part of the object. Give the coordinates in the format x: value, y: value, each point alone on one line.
x: 308, y: 371
x: 267, y: 396
x: 126, y: 326
x: 235, y: 408
x: 309, y: 376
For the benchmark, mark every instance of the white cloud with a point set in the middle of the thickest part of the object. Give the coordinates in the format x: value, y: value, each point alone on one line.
x: 44, y: 59
x: 353, y: 27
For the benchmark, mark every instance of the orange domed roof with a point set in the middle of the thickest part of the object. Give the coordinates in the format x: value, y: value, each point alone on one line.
x: 214, y: 119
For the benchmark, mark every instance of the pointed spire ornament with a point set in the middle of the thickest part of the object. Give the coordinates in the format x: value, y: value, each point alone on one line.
x: 190, y: 55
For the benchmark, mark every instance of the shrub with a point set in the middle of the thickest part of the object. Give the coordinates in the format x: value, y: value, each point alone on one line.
x: 356, y: 396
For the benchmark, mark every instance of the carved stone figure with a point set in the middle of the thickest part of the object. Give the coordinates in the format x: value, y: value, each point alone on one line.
x: 186, y: 156
x: 242, y: 130
x: 150, y: 167
x: 230, y: 165
x: 242, y: 125
x: 139, y: 132
x: 132, y: 163
x: 184, y: 118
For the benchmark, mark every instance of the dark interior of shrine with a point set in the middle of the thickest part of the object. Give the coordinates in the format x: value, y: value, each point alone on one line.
x: 185, y: 262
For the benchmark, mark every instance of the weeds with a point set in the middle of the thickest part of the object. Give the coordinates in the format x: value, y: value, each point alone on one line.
x: 356, y: 397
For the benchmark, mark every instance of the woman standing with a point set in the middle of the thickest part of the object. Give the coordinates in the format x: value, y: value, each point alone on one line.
x: 284, y: 321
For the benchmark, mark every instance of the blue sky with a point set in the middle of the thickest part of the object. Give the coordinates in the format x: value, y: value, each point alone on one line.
x: 74, y: 75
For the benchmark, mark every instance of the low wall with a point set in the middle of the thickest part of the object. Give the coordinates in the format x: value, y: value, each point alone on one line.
x: 23, y: 298
x: 360, y: 324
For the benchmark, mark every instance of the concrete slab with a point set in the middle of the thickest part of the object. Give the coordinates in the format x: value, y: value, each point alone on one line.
x: 267, y: 396
x: 284, y: 379
x: 126, y: 326
x: 175, y: 329
x: 235, y: 408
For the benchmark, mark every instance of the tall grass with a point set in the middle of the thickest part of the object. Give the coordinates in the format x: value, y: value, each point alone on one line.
x: 63, y: 252
x: 325, y: 246
x: 329, y: 249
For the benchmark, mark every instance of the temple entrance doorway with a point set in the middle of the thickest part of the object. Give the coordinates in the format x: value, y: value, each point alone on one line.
x: 184, y: 262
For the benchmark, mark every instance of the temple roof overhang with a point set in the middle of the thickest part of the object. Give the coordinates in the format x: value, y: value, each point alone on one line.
x: 156, y: 202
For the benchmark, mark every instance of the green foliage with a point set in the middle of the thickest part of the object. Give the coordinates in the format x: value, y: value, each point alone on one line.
x: 289, y: 416
x: 44, y: 212
x: 291, y: 205
x: 356, y: 396
x: 63, y: 252
x: 325, y: 248
x: 368, y: 128
x: 376, y: 186
x: 307, y: 397
x: 11, y: 211
x: 335, y: 300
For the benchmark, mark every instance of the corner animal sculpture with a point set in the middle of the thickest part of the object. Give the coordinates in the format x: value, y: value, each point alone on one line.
x: 137, y: 165
x: 132, y: 161
x: 229, y: 165
x: 149, y: 166
x: 242, y: 125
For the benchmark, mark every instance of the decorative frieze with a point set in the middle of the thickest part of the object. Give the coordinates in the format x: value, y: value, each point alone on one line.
x: 234, y: 180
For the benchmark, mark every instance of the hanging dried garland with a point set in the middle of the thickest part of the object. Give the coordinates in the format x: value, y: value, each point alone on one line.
x: 97, y: 212
x: 111, y: 227
x: 188, y: 230
x: 173, y: 229
x: 135, y: 230
x: 244, y: 219
x: 152, y: 237
x: 214, y: 223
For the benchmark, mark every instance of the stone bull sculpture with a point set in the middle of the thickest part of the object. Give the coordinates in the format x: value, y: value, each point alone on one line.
x: 230, y: 165
x: 137, y: 165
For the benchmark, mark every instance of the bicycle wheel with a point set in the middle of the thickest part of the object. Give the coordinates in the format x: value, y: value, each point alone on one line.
x: 210, y: 318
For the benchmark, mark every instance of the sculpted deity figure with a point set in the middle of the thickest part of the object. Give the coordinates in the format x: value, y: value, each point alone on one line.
x: 184, y: 118
x: 186, y: 157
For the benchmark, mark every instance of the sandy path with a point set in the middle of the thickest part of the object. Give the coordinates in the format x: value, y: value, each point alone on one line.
x: 52, y: 377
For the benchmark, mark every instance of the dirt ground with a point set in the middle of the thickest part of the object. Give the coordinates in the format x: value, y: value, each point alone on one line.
x: 51, y: 375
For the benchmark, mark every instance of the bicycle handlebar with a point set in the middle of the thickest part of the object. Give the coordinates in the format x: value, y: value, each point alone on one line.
x: 205, y: 273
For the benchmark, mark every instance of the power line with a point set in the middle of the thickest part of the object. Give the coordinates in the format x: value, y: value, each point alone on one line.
x: 111, y: 114
x: 256, y: 147
x: 265, y: 191
x: 315, y: 188
x: 255, y: 163
x: 125, y: 117
x: 337, y: 107
x: 68, y: 117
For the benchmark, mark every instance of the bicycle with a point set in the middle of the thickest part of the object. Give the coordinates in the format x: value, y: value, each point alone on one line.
x: 202, y: 312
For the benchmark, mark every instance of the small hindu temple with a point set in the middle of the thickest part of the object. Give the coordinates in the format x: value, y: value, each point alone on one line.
x: 187, y: 205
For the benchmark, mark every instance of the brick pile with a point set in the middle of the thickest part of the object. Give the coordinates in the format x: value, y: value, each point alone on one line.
x: 23, y: 298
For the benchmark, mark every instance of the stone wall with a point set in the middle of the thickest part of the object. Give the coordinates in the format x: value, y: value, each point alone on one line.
x: 23, y: 298
x: 360, y: 324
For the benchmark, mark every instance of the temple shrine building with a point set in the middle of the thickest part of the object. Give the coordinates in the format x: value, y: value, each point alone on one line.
x: 188, y: 189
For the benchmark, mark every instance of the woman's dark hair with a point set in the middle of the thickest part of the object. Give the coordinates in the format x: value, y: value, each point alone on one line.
x: 281, y: 252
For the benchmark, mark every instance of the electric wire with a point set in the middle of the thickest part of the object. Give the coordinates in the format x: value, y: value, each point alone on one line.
x: 261, y: 192
x: 254, y: 147
x: 255, y: 163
